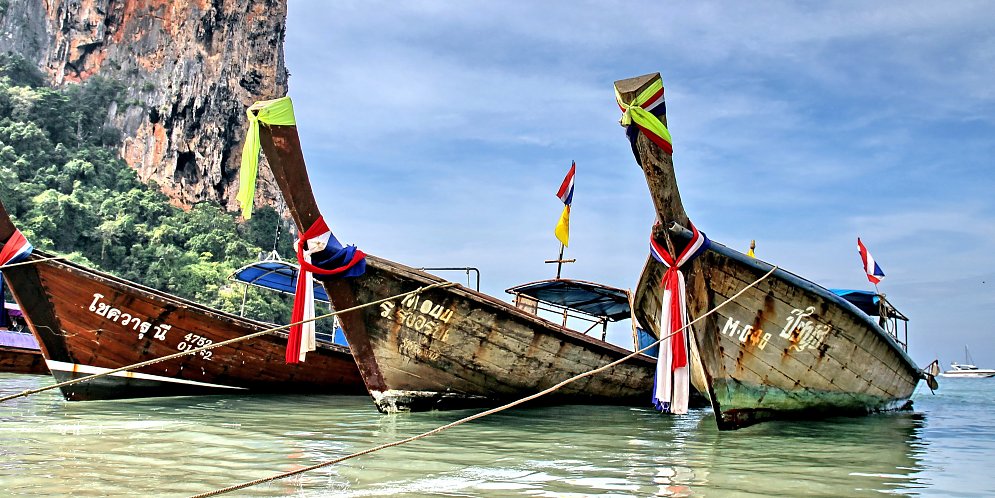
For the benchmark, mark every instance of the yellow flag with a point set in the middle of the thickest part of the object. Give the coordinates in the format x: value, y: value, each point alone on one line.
x: 563, y: 227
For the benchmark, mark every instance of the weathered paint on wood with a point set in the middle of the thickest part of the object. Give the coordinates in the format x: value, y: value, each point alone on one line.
x: 86, y: 320
x: 22, y: 361
x: 452, y: 347
x: 786, y: 348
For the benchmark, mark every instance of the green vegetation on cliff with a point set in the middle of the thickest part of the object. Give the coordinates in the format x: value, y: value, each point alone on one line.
x: 68, y: 191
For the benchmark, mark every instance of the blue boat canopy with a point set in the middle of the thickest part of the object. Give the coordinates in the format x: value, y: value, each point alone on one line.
x: 587, y: 297
x: 274, y: 274
x: 865, y: 301
x: 869, y: 302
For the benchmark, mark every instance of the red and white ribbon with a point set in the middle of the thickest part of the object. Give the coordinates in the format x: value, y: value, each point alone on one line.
x: 315, y: 239
x: 672, y: 387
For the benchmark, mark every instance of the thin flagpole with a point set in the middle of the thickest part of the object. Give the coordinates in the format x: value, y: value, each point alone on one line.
x: 559, y: 262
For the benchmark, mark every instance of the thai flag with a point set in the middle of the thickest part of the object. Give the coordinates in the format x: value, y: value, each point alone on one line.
x: 874, y: 272
x: 322, y: 255
x: 566, y: 192
x: 16, y: 249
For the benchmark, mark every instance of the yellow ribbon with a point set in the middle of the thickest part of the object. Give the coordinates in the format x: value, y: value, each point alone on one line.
x: 633, y: 112
x: 271, y: 112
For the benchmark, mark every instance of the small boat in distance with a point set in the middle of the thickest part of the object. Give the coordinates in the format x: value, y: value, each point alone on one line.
x: 968, y: 369
x: 89, y: 322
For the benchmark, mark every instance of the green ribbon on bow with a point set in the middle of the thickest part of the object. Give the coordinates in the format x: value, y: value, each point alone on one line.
x: 271, y: 112
x: 647, y: 121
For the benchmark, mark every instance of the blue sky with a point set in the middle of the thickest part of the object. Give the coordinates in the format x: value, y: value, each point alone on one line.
x: 437, y: 133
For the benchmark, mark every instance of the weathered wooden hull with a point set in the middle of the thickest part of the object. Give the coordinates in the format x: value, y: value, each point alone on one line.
x: 89, y: 322
x: 22, y: 361
x: 453, y: 348
x: 786, y: 348
x: 20, y: 353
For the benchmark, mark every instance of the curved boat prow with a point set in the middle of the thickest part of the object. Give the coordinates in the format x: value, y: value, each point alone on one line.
x: 450, y: 347
x: 6, y: 225
x: 786, y: 348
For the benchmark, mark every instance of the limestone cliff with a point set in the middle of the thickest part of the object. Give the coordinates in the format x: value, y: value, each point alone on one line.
x: 191, y: 68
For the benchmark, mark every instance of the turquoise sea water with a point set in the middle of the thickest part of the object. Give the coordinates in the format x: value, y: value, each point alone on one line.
x: 185, y: 446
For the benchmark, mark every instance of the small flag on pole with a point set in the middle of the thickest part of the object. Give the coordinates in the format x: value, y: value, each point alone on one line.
x: 874, y: 272
x: 566, y: 194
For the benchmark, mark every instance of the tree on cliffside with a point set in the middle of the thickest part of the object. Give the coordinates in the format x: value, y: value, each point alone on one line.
x: 69, y: 192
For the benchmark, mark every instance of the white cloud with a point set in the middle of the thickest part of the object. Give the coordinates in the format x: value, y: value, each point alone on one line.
x: 442, y: 129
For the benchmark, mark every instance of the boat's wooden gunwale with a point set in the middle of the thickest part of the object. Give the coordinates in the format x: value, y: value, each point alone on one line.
x: 505, y: 307
x: 22, y: 361
x: 844, y: 362
x: 491, y: 344
x: 760, y: 268
x: 76, y: 341
x: 179, y: 302
x: 409, y: 369
x: 860, y: 343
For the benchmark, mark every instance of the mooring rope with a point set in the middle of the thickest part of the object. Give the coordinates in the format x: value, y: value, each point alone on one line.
x: 219, y: 344
x: 31, y: 262
x: 484, y: 413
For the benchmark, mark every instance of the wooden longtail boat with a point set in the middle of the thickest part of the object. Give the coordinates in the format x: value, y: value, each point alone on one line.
x: 452, y: 347
x: 786, y: 348
x: 88, y: 322
x: 19, y: 350
x: 20, y: 353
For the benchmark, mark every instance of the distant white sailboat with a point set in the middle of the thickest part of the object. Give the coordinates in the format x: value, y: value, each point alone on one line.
x: 968, y: 368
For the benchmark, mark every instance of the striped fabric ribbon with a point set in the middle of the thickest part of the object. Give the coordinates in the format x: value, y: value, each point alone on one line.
x: 319, y: 253
x: 672, y: 385
x: 643, y: 114
x: 15, y: 249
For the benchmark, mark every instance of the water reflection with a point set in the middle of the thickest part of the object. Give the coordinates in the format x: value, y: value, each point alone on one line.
x: 183, y: 446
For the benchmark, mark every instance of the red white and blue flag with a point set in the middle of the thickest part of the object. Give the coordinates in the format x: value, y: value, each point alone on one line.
x: 871, y: 267
x: 15, y: 249
x: 566, y: 192
x: 321, y: 256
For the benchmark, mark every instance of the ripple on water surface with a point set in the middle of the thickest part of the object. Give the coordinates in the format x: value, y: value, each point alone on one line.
x: 183, y: 446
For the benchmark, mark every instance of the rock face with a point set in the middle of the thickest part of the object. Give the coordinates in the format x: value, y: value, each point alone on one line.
x: 191, y: 68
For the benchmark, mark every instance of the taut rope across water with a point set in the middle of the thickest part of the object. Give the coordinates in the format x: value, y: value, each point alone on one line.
x: 484, y: 413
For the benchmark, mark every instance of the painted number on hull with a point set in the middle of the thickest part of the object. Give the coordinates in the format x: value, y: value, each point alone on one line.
x: 194, y: 341
x: 419, y: 314
x: 144, y: 328
x: 804, y: 334
x: 746, y: 334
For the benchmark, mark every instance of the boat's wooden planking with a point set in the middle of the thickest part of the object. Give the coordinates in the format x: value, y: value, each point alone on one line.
x: 454, y: 347
x: 779, y: 351
x: 466, y: 348
x: 85, y: 319
x: 22, y: 361
x: 784, y: 349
